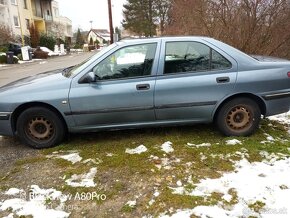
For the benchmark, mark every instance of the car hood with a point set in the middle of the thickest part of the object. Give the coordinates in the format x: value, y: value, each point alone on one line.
x: 46, y: 77
x: 45, y: 87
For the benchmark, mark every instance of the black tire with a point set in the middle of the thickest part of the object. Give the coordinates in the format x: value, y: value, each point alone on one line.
x: 39, y: 127
x: 239, y: 117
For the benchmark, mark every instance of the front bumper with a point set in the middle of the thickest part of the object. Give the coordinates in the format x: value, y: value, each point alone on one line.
x: 5, y: 124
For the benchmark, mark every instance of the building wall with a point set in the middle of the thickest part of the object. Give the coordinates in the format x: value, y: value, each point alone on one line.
x: 13, y: 17
x: 44, y: 14
x: 26, y: 16
x: 4, y: 12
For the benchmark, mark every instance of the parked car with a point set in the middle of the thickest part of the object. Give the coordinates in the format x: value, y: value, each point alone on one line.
x: 15, y: 48
x: 146, y: 83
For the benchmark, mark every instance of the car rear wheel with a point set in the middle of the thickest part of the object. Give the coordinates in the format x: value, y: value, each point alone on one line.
x: 239, y: 117
x: 40, y: 127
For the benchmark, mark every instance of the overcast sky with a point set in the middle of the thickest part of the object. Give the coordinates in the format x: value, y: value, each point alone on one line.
x: 83, y: 11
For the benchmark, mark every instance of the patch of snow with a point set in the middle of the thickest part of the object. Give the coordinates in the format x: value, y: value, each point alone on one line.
x: 152, y: 201
x: 42, y: 62
x: 156, y: 194
x: 131, y: 203
x: 35, y: 204
x: 13, y: 191
x: 83, y: 180
x: 140, y: 149
x: 94, y: 161
x: 167, y: 147
x: 74, y: 157
x: 50, y: 52
x: 199, y: 145
x: 179, y: 183
x: 281, y: 118
x: 109, y: 155
x: 252, y: 182
x: 233, y: 142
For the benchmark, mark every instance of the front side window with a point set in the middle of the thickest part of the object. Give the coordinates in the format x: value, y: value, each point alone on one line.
x: 192, y: 57
x: 132, y: 61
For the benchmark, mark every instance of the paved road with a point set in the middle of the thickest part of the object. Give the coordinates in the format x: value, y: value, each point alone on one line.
x: 11, y: 149
x: 14, y: 72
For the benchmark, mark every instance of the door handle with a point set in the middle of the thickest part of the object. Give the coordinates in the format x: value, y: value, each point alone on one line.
x: 222, y: 79
x: 143, y: 86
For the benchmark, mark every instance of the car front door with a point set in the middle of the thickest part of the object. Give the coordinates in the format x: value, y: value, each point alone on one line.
x: 123, y: 91
x: 192, y: 80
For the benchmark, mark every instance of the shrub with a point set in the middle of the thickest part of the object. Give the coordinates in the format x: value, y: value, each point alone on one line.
x: 3, y: 59
x: 3, y: 49
x: 39, y: 54
x: 92, y: 47
x: 47, y: 41
x: 20, y: 57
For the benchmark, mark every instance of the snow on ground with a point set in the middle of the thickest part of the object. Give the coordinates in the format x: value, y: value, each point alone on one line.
x: 233, y: 142
x: 266, y: 182
x: 281, y: 118
x: 131, y: 203
x: 83, y: 180
x: 30, y: 61
x: 73, y: 156
x: 140, y: 149
x: 35, y: 203
x: 199, y: 145
x: 167, y: 147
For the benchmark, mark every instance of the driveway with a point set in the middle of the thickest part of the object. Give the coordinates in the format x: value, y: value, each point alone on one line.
x: 9, y: 73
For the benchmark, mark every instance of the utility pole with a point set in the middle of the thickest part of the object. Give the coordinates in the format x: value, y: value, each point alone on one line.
x: 110, y: 21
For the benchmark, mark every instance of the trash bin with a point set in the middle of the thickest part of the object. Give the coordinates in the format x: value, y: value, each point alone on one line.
x: 9, y: 56
x: 30, y: 54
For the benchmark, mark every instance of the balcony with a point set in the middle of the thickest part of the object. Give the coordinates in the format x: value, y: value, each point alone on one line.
x: 3, y: 3
x: 47, y: 18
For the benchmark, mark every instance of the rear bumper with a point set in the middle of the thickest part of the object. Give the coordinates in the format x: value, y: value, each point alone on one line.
x: 277, y: 106
x: 5, y: 124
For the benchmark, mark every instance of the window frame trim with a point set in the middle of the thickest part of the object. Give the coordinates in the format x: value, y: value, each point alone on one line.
x: 216, y: 49
x: 129, y: 78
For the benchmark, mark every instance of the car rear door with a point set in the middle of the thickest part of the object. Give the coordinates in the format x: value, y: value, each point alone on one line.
x: 123, y: 91
x: 192, y: 79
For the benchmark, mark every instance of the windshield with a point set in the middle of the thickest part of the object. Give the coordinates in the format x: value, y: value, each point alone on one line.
x: 73, y: 70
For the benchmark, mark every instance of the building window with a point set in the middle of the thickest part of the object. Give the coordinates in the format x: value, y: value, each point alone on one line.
x: 27, y: 23
x: 14, y: 2
x: 56, y: 12
x: 16, y: 22
x: 25, y: 4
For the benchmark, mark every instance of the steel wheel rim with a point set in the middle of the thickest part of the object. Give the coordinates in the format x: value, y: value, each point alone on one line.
x: 238, y: 118
x: 40, y: 128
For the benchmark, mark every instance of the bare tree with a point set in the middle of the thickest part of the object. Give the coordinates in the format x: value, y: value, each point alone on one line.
x: 254, y: 26
x: 6, y: 34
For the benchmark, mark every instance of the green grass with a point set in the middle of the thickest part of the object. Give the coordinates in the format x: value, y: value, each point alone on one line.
x: 126, y: 175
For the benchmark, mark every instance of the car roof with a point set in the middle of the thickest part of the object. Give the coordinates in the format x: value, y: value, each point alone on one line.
x: 163, y: 37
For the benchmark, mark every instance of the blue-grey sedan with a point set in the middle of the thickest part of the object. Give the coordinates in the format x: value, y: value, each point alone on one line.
x: 146, y: 83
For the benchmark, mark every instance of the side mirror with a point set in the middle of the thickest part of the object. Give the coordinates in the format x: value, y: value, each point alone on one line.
x: 88, y: 78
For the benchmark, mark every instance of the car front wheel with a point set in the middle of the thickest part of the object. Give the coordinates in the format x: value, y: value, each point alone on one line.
x: 239, y: 117
x: 40, y: 127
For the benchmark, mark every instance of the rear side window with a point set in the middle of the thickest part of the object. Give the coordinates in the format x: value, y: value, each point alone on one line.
x: 192, y: 57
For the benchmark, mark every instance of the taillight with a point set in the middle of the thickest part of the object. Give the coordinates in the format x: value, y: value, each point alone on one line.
x: 288, y: 74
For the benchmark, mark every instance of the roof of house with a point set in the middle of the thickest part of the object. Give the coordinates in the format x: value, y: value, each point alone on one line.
x: 103, y: 33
